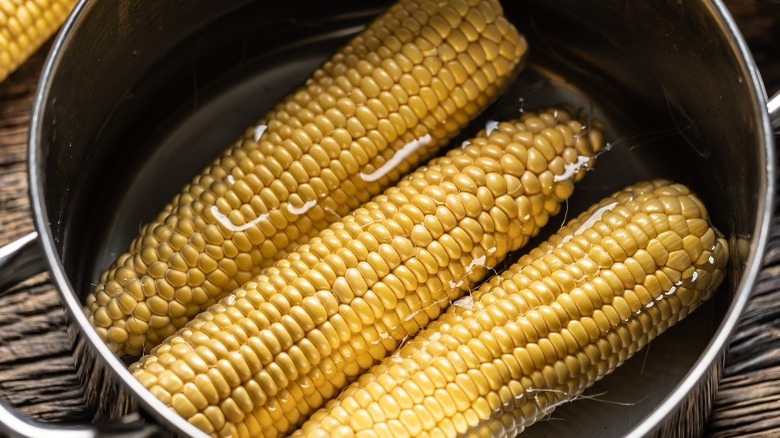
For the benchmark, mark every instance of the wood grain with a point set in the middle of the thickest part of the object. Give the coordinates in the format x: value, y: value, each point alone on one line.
x: 36, y: 368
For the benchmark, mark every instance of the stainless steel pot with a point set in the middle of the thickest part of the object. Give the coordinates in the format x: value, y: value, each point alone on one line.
x: 136, y: 96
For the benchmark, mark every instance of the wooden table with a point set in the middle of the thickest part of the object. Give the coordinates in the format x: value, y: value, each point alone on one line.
x: 37, y: 372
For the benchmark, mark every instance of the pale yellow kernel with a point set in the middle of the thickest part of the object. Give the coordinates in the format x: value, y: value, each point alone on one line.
x: 530, y: 182
x: 679, y: 260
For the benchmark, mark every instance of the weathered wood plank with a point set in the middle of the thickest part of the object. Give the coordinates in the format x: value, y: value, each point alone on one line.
x: 37, y: 373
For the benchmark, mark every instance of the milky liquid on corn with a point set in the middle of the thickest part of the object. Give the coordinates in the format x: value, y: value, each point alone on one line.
x: 398, y: 158
x: 371, y: 174
x: 595, y: 217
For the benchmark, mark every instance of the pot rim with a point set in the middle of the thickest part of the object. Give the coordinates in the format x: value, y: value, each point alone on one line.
x: 712, y: 353
x: 719, y: 342
x: 56, y: 269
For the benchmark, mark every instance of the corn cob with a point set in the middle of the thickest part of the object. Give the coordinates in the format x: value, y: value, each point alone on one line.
x: 390, y: 98
x: 561, y: 318
x: 262, y: 359
x: 25, y: 25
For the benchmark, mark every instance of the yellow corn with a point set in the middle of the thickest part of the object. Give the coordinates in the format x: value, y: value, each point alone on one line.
x: 565, y: 315
x: 262, y: 359
x: 25, y: 25
x: 389, y: 99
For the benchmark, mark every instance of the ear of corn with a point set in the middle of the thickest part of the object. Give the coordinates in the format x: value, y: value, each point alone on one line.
x: 565, y: 315
x: 386, y: 101
x: 265, y: 357
x: 25, y: 25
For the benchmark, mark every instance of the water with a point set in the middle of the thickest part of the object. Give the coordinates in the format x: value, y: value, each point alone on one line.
x: 650, y: 134
x: 590, y: 221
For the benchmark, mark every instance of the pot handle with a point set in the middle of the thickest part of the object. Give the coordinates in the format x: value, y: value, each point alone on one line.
x: 774, y: 112
x: 20, y: 260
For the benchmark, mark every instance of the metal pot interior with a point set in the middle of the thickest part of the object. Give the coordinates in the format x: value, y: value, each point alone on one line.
x: 145, y: 93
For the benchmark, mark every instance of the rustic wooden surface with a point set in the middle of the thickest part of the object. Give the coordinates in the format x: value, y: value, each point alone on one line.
x: 37, y: 372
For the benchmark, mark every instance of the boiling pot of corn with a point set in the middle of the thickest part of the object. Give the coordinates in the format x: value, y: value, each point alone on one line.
x: 394, y: 218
